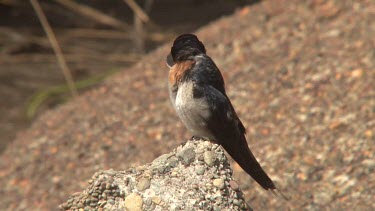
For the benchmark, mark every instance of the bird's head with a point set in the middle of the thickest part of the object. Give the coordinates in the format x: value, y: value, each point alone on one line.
x: 184, y: 48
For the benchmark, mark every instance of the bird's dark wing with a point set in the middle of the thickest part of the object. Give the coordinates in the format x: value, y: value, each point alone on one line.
x: 213, y: 77
x: 228, y: 132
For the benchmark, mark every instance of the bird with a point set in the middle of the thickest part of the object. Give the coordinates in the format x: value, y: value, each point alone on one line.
x: 197, y: 92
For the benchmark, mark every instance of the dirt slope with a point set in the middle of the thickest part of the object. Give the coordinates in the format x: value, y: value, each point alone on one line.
x: 300, y: 75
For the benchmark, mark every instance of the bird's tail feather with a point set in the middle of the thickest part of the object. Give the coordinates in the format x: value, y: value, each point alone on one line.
x: 279, y: 194
x: 240, y: 152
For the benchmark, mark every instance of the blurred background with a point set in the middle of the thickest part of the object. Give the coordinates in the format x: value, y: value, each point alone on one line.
x: 97, y: 39
x: 300, y: 74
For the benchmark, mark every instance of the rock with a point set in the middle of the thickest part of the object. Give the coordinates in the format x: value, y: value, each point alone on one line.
x: 133, y: 202
x: 189, y: 184
x: 199, y: 170
x: 143, y: 184
x: 219, y: 183
x: 209, y: 158
x: 187, y: 156
x: 156, y: 200
x: 233, y: 184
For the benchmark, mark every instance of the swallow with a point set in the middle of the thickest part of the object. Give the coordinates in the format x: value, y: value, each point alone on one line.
x: 197, y: 91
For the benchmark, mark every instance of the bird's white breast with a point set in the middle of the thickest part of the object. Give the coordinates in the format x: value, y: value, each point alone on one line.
x: 184, y: 95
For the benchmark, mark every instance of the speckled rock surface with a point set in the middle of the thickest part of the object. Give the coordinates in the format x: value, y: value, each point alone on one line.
x: 170, y: 182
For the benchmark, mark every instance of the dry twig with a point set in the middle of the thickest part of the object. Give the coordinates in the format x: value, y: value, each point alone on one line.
x: 139, y: 34
x: 140, y: 17
x: 43, y: 58
x: 137, y: 10
x: 56, y: 48
x: 93, y: 14
x: 112, y: 34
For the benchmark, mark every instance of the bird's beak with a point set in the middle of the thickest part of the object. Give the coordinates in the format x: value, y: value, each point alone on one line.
x: 170, y: 61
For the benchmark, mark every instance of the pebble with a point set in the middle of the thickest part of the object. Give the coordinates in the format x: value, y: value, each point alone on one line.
x: 93, y: 204
x: 162, y: 169
x: 111, y: 201
x: 172, y: 162
x: 149, y: 193
x: 219, y: 183
x: 143, y: 184
x: 156, y: 199
x: 209, y: 158
x: 187, y: 156
x: 147, y: 202
x: 237, y: 202
x: 233, y: 184
x: 80, y: 205
x: 174, y: 174
x: 161, y: 159
x: 199, y: 170
x: 133, y: 202
x: 103, y: 185
x: 323, y: 197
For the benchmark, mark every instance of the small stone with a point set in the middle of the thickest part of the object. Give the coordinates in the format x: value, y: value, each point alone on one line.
x: 64, y: 206
x: 209, y: 158
x: 323, y: 197
x: 80, y: 205
x: 199, y: 151
x: 108, y: 186
x: 174, y: 174
x: 149, y: 193
x: 93, y: 204
x: 187, y: 156
x: 237, y: 202
x: 103, y: 185
x: 143, y: 184
x: 216, y: 208
x: 111, y: 172
x: 148, y: 202
x: 113, y: 186
x: 199, y: 170
x: 233, y: 184
x: 133, y: 202
x: 219, y: 183
x: 161, y: 159
x: 111, y: 201
x: 141, y: 168
x: 172, y: 162
x: 162, y: 169
x: 156, y: 200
